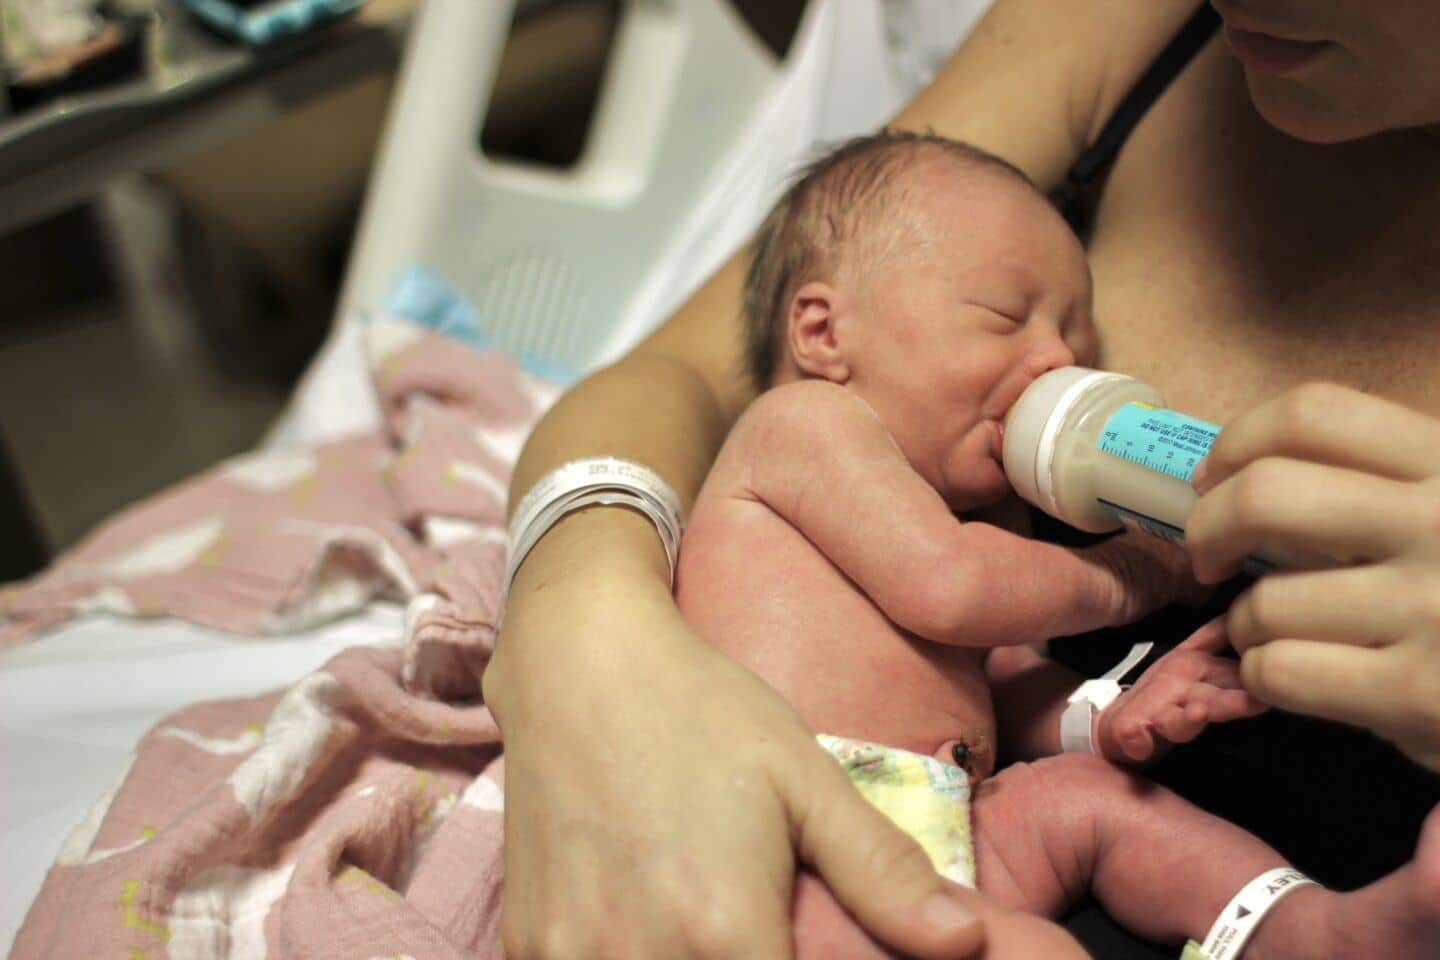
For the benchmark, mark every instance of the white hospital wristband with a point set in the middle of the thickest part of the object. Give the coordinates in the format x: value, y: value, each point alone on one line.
x: 1237, y: 922
x: 582, y: 483
x: 1093, y: 696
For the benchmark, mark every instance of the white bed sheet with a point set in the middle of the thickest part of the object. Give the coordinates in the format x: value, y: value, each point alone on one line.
x: 74, y: 703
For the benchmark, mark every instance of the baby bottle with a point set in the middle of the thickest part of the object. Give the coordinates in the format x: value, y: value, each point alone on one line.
x: 1099, y: 450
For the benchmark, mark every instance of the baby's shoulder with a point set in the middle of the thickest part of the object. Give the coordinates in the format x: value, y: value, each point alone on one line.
x: 799, y: 431
x: 810, y: 422
x: 807, y: 408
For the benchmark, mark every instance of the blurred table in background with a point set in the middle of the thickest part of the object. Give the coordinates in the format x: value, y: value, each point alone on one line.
x: 219, y: 198
x: 200, y: 92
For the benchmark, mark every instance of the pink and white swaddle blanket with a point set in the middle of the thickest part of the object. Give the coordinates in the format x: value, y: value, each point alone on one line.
x: 358, y: 813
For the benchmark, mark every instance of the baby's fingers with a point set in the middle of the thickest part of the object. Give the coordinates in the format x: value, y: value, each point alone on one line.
x: 1181, y: 724
x: 1227, y: 705
x: 1210, y: 638
x: 1221, y: 673
x: 1134, y: 736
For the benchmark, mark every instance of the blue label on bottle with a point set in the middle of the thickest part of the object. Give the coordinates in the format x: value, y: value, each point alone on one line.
x: 1158, y: 439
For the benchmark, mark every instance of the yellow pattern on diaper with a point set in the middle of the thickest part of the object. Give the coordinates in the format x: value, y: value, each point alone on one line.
x: 927, y: 799
x: 131, y: 914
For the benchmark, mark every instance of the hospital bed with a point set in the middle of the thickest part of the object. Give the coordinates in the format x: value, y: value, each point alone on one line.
x: 695, y: 128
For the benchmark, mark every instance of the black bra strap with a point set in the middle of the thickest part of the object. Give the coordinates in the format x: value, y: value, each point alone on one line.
x: 1152, y: 83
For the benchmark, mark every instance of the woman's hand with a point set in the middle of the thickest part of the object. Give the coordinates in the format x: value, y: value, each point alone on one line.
x: 657, y: 795
x: 1328, y: 471
x: 1173, y: 702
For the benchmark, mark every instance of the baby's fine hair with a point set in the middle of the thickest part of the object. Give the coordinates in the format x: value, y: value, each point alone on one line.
x: 831, y: 201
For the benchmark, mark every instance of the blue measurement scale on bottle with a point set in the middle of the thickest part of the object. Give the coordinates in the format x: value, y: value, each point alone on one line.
x: 1166, y: 442
x: 1160, y: 440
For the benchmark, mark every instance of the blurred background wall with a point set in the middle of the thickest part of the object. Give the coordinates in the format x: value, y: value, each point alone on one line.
x: 159, y: 325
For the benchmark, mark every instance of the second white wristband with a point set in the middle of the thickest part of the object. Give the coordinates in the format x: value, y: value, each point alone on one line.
x: 1093, y: 696
x: 594, y: 481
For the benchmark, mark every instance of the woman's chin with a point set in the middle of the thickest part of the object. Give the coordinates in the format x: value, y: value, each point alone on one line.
x: 1306, y: 110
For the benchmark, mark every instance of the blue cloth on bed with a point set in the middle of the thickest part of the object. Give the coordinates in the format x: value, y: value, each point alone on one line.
x: 426, y: 299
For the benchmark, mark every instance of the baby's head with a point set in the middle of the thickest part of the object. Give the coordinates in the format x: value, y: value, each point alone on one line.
x: 934, y: 281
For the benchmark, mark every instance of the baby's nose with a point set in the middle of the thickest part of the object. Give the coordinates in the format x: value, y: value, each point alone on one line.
x: 1048, y: 354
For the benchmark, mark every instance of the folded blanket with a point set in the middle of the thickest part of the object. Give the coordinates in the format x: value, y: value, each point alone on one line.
x: 274, y: 542
x: 346, y: 817
x: 358, y: 813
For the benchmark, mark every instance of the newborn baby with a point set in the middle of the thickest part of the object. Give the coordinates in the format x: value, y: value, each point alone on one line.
x: 855, y: 547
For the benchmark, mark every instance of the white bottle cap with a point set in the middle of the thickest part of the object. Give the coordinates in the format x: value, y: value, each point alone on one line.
x: 1033, y: 424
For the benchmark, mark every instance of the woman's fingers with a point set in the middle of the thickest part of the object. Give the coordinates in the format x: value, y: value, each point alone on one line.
x: 1349, y: 684
x: 1341, y: 606
x: 1337, y: 474
x: 878, y: 873
x: 1307, y: 509
x: 1394, y: 690
x: 1328, y: 424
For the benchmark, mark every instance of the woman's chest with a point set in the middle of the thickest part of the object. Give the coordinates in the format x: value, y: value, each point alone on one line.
x: 1232, y: 262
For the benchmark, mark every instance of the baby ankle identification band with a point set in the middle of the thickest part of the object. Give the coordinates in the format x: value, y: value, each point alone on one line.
x: 1237, y: 922
x: 607, y: 481
x: 1093, y: 696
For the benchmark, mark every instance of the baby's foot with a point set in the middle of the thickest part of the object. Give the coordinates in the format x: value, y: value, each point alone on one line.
x: 1396, y: 917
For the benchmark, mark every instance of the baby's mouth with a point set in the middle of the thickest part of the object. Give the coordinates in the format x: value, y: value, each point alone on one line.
x: 997, y: 440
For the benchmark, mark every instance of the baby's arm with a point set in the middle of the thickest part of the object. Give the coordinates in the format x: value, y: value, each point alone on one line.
x: 823, y: 462
x: 1173, y: 701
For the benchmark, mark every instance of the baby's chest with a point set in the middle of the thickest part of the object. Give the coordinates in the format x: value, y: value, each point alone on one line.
x: 752, y: 584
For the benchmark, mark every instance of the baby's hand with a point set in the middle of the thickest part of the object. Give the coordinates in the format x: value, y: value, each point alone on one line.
x: 1148, y: 574
x: 1180, y: 695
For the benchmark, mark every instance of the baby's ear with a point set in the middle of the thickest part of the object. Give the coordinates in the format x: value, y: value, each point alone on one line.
x: 815, y: 332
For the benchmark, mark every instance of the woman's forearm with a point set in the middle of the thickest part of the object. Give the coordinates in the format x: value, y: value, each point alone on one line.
x: 668, y: 405
x: 653, y: 410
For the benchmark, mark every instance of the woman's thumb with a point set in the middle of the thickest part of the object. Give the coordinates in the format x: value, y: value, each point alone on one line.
x: 882, y: 876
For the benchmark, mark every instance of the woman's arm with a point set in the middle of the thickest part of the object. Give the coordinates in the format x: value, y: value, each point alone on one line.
x: 657, y: 795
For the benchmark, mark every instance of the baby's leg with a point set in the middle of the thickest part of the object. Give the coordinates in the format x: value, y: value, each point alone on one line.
x: 1046, y: 832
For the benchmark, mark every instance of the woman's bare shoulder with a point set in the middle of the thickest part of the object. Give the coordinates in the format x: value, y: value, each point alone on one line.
x: 1037, y: 79
x: 1137, y: 30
